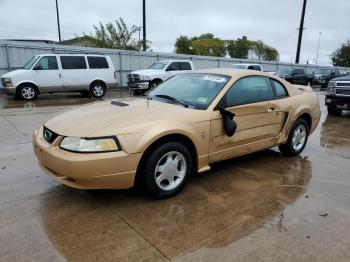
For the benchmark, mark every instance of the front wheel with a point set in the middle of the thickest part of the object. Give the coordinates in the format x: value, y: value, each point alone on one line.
x: 27, y: 92
x: 167, y: 170
x: 98, y: 90
x: 297, y: 139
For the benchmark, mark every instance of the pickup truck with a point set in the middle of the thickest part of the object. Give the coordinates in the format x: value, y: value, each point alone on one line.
x: 255, y: 67
x: 338, y: 95
x: 295, y: 76
x: 142, y: 80
x: 322, y: 76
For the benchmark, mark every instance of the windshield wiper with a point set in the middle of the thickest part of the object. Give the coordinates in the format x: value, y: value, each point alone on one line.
x: 171, y: 98
x: 147, y: 96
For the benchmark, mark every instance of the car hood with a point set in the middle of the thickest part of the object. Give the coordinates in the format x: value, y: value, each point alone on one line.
x: 147, y: 72
x: 14, y: 73
x: 105, y: 118
x: 341, y: 78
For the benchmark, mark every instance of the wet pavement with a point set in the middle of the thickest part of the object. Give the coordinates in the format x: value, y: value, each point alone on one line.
x: 260, y: 207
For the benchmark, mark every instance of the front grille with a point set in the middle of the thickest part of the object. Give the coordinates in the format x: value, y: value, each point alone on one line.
x: 49, y: 135
x: 345, y: 92
x: 343, y: 84
x: 133, y: 78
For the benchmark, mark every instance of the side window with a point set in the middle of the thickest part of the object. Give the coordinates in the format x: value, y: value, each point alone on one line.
x: 250, y: 67
x: 47, y: 63
x: 257, y: 68
x: 279, y: 89
x: 185, y: 66
x: 248, y: 90
x: 73, y: 62
x: 97, y: 62
x: 174, y: 66
x: 298, y: 71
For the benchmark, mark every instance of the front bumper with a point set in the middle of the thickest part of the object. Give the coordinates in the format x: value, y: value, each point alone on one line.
x: 8, y: 90
x: 114, y: 170
x: 342, y: 102
x: 139, y: 85
x: 319, y: 81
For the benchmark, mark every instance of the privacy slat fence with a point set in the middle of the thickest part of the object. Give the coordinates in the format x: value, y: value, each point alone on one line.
x: 14, y: 54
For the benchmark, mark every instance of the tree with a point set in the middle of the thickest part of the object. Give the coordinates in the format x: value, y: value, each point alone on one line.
x: 238, y: 48
x: 209, y: 47
x: 341, y: 56
x: 183, y: 45
x: 262, y: 51
x: 117, y: 35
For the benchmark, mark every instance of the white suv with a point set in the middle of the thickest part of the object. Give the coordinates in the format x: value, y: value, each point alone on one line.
x: 89, y: 74
x: 157, y: 73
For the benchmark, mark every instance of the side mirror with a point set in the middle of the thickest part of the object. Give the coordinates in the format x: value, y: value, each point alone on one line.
x: 171, y: 68
x: 230, y: 124
x: 38, y: 67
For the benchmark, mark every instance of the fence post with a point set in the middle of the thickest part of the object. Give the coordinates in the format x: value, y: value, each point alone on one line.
x: 120, y: 70
x: 7, y: 57
x: 219, y: 63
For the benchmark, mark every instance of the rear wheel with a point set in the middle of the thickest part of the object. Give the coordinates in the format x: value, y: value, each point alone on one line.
x: 27, y: 92
x: 297, y: 139
x: 167, y: 170
x: 333, y: 110
x: 98, y: 90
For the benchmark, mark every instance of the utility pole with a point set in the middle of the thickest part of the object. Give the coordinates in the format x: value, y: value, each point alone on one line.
x: 58, y: 22
x: 318, y: 48
x: 301, y: 29
x: 144, y: 25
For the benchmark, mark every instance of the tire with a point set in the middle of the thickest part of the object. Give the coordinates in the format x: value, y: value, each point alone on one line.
x: 172, y: 161
x: 97, y: 89
x: 333, y: 110
x: 27, y: 92
x: 297, y: 139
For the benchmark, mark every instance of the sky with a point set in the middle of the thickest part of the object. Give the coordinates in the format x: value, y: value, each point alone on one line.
x: 275, y: 22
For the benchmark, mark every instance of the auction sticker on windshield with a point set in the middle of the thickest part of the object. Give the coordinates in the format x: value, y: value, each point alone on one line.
x: 215, y: 79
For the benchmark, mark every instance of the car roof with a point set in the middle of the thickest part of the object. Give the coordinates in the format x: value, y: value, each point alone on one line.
x: 175, y: 60
x: 63, y: 54
x: 245, y: 64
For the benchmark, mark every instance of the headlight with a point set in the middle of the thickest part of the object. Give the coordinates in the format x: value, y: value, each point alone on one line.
x: 90, y: 145
x: 6, y: 81
x: 145, y: 78
x: 331, y: 84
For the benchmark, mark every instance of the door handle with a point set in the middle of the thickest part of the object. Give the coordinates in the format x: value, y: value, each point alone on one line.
x: 271, y: 109
x: 60, y: 75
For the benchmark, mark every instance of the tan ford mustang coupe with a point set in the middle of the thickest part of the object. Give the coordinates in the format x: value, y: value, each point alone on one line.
x: 178, y: 128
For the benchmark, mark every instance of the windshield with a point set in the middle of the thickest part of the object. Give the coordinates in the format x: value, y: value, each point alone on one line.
x: 238, y: 66
x: 194, y: 90
x: 323, y: 71
x: 158, y: 66
x: 31, y: 62
x: 284, y: 71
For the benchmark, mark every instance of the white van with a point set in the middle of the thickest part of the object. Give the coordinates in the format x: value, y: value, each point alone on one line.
x: 89, y: 74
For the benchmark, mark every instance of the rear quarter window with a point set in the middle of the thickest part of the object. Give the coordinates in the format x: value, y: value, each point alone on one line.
x: 185, y: 66
x: 280, y: 90
x: 73, y: 62
x: 97, y: 62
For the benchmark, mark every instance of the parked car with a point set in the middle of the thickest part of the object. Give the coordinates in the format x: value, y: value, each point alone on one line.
x: 295, y: 76
x: 182, y: 126
x: 322, y: 76
x: 142, y: 80
x: 49, y: 73
x: 338, y: 95
x: 256, y: 67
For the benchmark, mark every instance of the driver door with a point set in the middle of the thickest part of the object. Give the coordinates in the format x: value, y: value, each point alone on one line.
x: 258, y: 121
x: 47, y: 74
